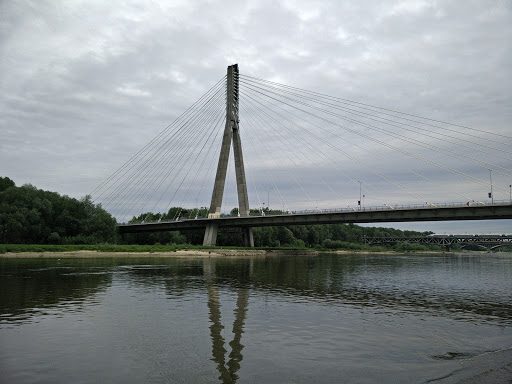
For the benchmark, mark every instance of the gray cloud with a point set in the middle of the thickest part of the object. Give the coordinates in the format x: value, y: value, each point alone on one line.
x: 85, y: 85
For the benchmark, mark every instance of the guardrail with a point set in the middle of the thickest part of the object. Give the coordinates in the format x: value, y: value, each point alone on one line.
x: 403, y: 206
x: 352, y: 209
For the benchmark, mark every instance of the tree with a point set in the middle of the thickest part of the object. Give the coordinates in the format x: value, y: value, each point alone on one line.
x: 5, y: 183
x: 31, y: 215
x: 285, y: 236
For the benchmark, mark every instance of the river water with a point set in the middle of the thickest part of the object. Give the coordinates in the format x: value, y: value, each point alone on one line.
x: 276, y: 319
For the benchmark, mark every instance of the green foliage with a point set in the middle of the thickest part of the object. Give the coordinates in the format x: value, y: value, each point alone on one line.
x: 33, y: 216
x: 36, y: 248
x: 5, y: 183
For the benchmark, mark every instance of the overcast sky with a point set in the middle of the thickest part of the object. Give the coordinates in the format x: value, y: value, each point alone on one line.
x: 85, y: 84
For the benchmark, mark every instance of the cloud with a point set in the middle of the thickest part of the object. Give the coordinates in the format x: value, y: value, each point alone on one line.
x: 85, y: 85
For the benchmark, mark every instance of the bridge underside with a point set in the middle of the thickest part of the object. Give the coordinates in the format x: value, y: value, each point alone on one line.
x: 486, y: 212
x: 488, y: 246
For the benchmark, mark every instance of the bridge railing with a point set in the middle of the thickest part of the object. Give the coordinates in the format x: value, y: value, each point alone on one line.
x: 354, y: 209
x: 401, y: 206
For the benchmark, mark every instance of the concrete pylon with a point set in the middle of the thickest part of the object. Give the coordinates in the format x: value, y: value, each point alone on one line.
x: 231, y: 134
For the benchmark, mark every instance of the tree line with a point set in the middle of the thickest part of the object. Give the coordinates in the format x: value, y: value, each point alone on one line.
x: 33, y: 216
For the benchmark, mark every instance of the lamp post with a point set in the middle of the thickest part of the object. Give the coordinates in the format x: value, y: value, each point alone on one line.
x: 360, y: 182
x: 510, y: 189
x: 268, y: 188
x: 363, y: 201
x: 490, y: 178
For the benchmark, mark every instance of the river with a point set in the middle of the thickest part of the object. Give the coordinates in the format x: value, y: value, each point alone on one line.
x: 277, y: 319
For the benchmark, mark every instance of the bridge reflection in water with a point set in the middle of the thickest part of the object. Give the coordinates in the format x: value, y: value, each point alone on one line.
x: 228, y: 370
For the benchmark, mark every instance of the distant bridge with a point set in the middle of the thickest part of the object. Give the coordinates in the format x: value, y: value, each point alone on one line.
x: 490, y: 242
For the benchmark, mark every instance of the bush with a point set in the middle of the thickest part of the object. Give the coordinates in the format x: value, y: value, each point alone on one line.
x: 54, y: 238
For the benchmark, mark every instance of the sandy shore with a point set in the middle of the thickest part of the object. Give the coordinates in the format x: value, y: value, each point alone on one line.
x: 200, y: 253
x: 487, y: 368
x: 187, y: 253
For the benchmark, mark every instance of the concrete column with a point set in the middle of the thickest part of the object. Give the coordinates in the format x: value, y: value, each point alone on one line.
x: 248, y: 237
x: 231, y: 133
x: 220, y: 178
x: 210, y: 234
x: 241, y: 185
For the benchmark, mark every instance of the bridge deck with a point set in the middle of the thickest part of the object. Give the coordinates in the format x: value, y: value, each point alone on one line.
x: 482, y: 212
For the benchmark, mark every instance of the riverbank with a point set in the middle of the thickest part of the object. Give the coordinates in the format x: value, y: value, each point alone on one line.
x: 184, y: 250
x: 487, y: 368
x: 156, y: 250
x: 187, y: 253
x: 202, y: 253
x: 168, y: 248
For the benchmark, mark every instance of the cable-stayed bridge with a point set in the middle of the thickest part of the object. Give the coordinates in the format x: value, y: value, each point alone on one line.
x: 307, y: 158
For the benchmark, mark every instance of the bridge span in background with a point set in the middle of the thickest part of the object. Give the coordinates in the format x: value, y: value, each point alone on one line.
x: 490, y: 242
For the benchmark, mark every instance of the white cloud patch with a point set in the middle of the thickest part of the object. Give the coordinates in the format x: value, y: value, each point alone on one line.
x: 131, y: 90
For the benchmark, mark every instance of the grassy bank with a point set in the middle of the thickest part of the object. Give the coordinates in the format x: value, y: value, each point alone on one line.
x: 123, y: 248
x: 38, y: 248
x: 134, y: 248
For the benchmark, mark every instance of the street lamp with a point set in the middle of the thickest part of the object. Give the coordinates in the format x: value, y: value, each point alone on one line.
x: 360, y: 182
x: 268, y: 189
x: 490, y: 194
x: 510, y: 188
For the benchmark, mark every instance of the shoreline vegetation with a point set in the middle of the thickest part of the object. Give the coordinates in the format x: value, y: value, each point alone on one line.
x: 6, y: 249
x: 37, y: 221
x: 34, y: 220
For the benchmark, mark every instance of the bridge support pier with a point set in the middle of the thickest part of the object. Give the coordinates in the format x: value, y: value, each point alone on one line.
x: 446, y: 248
x: 248, y: 237
x: 210, y: 235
